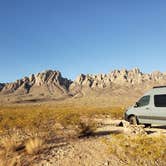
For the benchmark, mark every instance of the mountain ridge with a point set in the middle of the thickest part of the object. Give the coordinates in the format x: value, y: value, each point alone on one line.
x: 51, y: 84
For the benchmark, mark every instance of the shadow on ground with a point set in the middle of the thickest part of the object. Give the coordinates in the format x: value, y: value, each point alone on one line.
x: 100, y: 134
x: 159, y: 127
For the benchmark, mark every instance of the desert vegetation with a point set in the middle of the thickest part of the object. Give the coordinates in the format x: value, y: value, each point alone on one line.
x: 26, y: 130
x: 39, y: 116
x: 138, y: 149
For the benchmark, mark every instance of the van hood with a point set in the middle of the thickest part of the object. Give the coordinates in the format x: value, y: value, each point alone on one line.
x: 130, y: 107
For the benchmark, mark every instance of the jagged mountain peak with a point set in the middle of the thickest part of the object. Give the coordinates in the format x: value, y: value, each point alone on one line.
x: 48, y: 80
x: 131, y: 77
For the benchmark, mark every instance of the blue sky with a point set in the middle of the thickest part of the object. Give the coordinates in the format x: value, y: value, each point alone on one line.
x: 81, y: 36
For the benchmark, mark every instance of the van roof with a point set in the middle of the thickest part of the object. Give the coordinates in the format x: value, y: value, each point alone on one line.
x: 157, y: 90
x: 155, y: 87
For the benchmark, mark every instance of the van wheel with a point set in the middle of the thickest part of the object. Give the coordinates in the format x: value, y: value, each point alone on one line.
x: 133, y: 120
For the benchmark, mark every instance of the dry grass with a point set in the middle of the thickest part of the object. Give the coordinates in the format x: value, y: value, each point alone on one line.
x: 10, y: 162
x: 43, y: 116
x: 34, y: 145
x: 139, y: 149
x: 9, y: 144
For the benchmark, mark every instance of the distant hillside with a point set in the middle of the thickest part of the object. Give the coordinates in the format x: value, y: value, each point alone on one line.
x: 50, y: 85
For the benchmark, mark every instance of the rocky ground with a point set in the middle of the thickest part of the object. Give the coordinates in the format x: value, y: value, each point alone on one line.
x: 92, y: 151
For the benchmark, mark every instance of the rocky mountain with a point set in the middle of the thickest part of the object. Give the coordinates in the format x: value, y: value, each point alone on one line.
x: 47, y: 83
x: 50, y: 84
x: 130, y: 78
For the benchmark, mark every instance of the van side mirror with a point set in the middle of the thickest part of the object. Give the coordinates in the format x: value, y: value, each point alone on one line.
x: 136, y: 105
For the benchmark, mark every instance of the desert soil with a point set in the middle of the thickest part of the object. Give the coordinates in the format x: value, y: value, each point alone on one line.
x: 90, y: 151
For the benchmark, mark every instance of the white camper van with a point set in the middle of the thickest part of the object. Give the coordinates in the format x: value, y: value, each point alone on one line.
x: 150, y: 109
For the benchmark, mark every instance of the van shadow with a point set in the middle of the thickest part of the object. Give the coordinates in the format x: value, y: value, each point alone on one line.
x: 151, y: 131
x: 101, y: 134
x: 159, y: 127
x: 104, y: 133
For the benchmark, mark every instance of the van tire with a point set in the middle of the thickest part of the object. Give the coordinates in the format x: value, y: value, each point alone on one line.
x: 133, y: 120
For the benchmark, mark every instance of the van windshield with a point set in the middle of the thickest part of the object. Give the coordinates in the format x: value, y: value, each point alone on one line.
x: 143, y: 101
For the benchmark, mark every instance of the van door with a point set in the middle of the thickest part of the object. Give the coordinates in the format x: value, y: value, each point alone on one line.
x: 143, y: 109
x: 159, y: 110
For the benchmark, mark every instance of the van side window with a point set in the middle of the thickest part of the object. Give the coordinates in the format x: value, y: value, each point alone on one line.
x: 144, y: 101
x: 160, y: 100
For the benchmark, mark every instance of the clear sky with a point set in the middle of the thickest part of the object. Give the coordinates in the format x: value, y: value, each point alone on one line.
x: 81, y: 36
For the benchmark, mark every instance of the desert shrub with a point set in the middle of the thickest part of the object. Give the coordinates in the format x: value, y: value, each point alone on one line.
x: 86, y: 128
x: 34, y: 145
x: 9, y: 144
x: 11, y: 141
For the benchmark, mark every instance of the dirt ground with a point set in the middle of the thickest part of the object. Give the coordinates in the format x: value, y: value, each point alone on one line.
x: 90, y: 151
x: 112, y: 126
